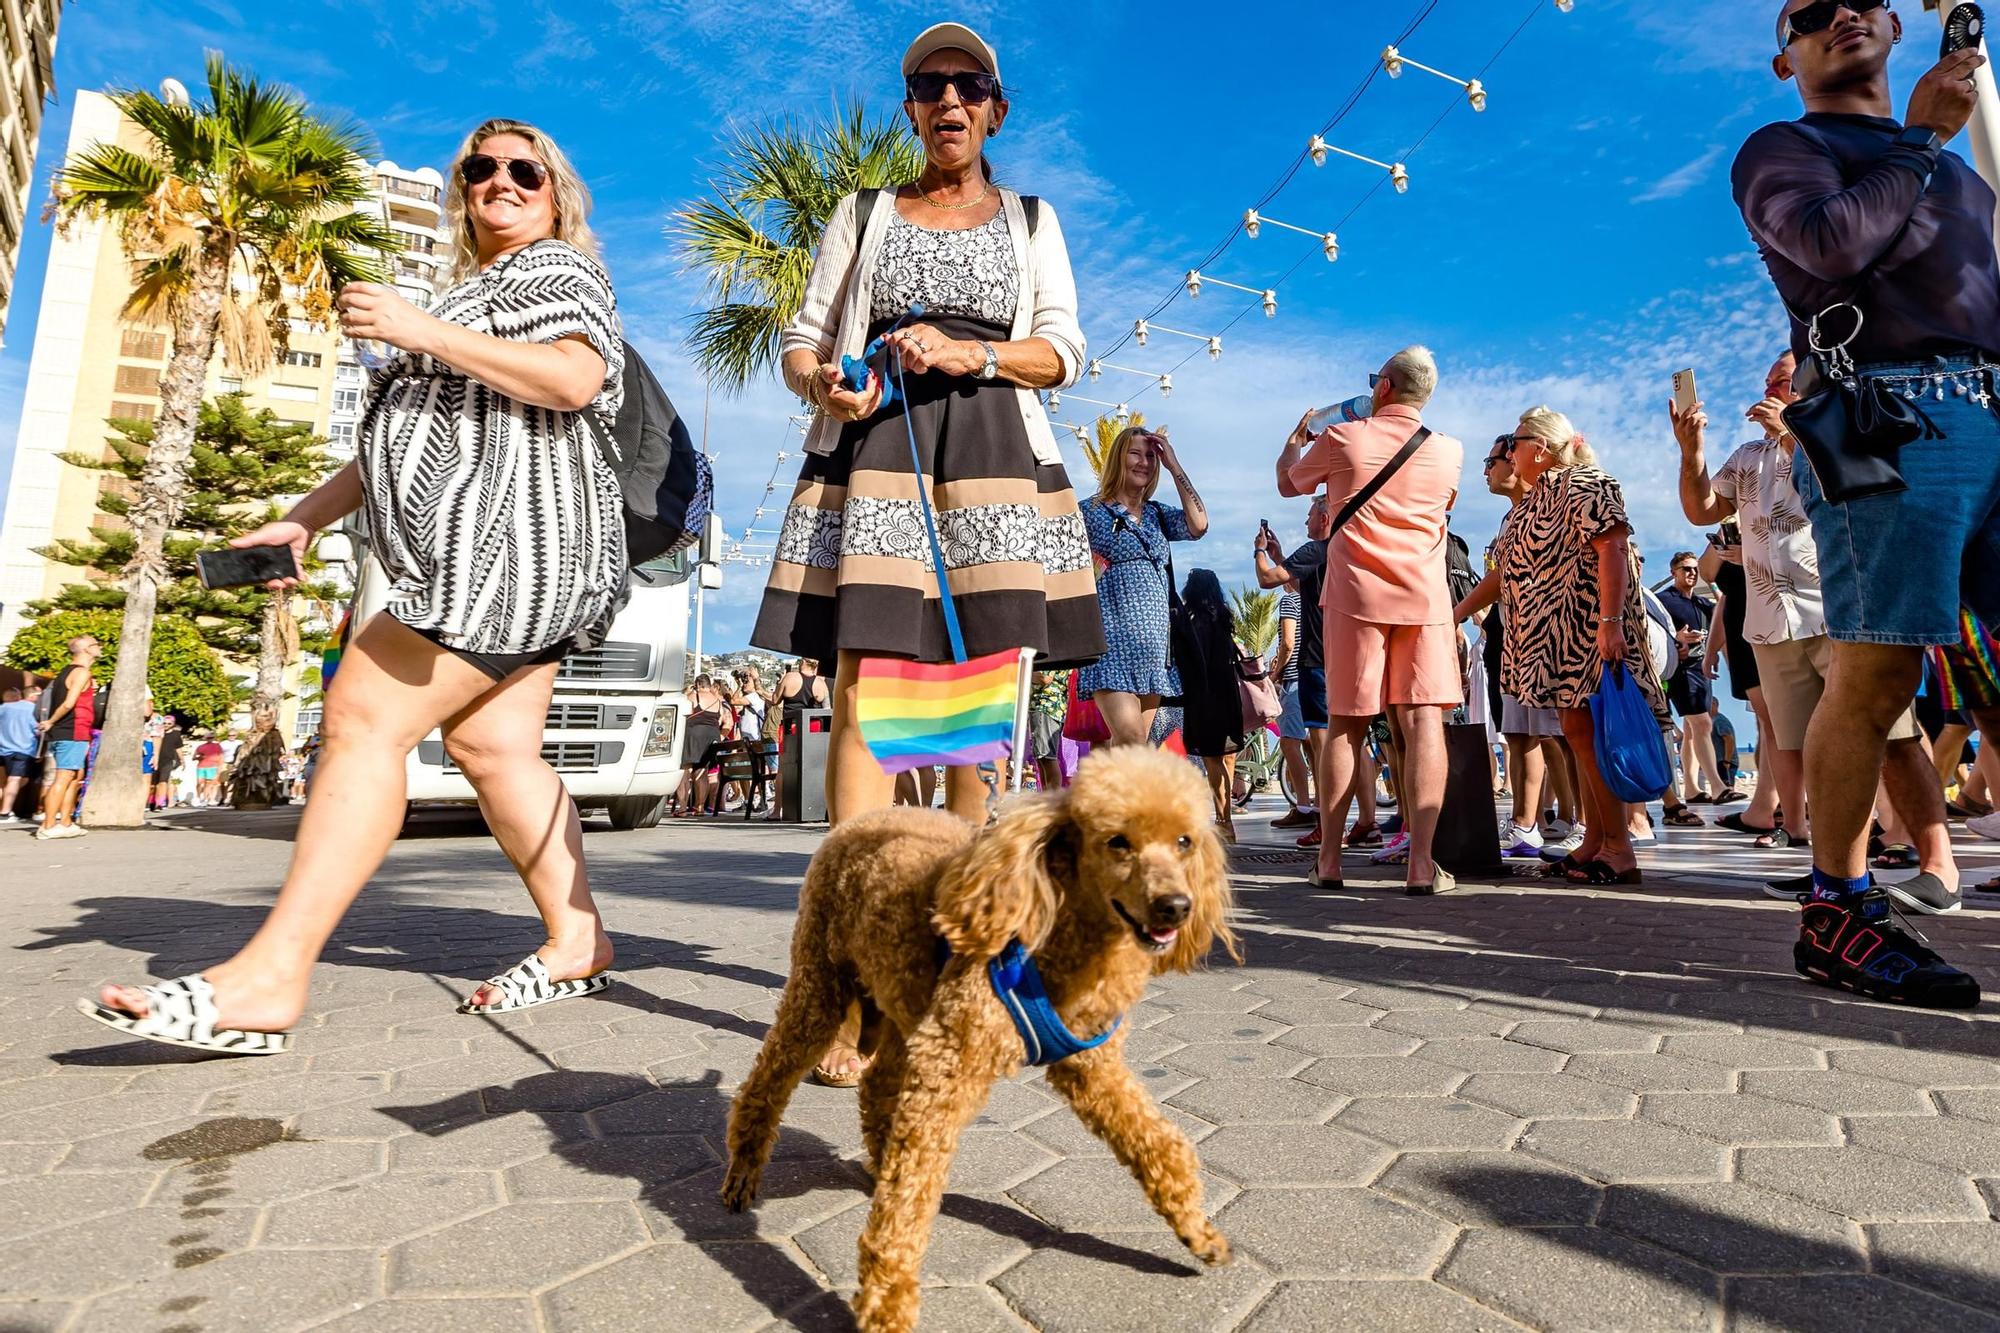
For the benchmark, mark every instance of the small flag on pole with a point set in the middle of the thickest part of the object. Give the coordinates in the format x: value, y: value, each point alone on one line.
x: 917, y: 714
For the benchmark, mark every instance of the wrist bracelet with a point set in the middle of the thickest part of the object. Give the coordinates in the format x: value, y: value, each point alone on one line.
x: 1617, y: 619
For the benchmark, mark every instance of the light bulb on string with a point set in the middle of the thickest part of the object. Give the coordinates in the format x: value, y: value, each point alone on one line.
x: 1400, y: 178
x: 1392, y: 61
x: 1252, y: 224
x: 1316, y: 146
x: 1215, y: 349
x: 1565, y: 5
x: 1270, y: 304
x: 1331, y: 245
x: 1194, y: 282
x: 1139, y: 331
x: 1096, y: 370
x: 1166, y: 386
x: 1475, y: 93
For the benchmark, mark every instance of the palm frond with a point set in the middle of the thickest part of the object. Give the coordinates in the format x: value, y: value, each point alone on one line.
x: 735, y: 342
x: 105, y: 178
x: 1256, y: 618
x: 158, y: 288
x: 183, y: 137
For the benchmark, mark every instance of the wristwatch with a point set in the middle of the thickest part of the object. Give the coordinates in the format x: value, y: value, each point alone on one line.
x: 1920, y: 137
x: 992, y: 366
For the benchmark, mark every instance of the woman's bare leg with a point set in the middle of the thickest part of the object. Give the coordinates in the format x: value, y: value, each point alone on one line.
x: 1129, y: 716
x: 1605, y: 837
x: 394, y: 686
x: 965, y: 795
x: 855, y: 783
x: 497, y: 743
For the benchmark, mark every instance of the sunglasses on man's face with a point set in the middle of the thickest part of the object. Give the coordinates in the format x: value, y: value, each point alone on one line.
x: 1819, y: 16
x: 974, y: 86
x: 478, y: 168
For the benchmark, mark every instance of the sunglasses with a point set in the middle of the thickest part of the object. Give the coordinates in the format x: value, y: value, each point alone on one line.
x: 974, y: 87
x: 1494, y: 460
x: 1684, y: 569
x: 478, y: 168
x: 1818, y: 17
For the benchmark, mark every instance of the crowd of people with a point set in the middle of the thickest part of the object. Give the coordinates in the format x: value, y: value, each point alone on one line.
x: 939, y: 523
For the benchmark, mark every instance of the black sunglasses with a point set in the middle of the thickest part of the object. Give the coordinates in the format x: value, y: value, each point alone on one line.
x: 974, y: 86
x: 478, y: 168
x: 1818, y: 17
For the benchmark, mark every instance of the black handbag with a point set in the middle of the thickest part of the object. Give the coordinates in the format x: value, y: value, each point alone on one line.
x: 1852, y: 428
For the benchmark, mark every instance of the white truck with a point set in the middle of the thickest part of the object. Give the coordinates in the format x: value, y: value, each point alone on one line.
x: 614, y: 725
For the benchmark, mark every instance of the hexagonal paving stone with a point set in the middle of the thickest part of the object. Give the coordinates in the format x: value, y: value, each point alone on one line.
x: 1133, y: 1284
x: 488, y: 1143
x: 1732, y: 1227
x: 1548, y: 1095
x: 1010, y: 1105
x: 1651, y: 1073
x: 1318, y: 1010
x: 1236, y: 1059
x: 1626, y: 1150
x: 379, y: 1211
x: 1348, y: 1307
x: 41, y: 1203
x: 1292, y: 1155
x: 1960, y: 1260
x: 1740, y: 1118
x: 1867, y: 1186
x: 1225, y: 1027
x: 1490, y: 1055
x: 1924, y: 1069
x: 1382, y: 1076
x: 1348, y: 1039
x: 990, y: 1161
x: 974, y: 1238
x: 1581, y: 1278
x: 266, y: 1289
x: 1838, y: 1093
x: 793, y: 1195
x: 1843, y: 1304
x: 460, y: 1314
x: 1736, y: 1051
x: 1491, y: 1189
x: 1433, y: 1024
x: 1586, y: 1036
x: 1429, y: 1123
x: 1259, y: 1101
x: 280, y: 1171
x: 1333, y: 1233
x: 1099, y: 1196
x: 35, y: 1316
x: 1970, y: 1147
x: 1972, y: 1103
x: 519, y: 1248
x: 683, y: 1287
x: 620, y: 1168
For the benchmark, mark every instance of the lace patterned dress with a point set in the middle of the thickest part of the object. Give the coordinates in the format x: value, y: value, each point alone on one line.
x: 853, y: 567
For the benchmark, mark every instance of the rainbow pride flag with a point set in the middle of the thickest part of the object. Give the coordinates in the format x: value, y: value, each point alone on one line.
x: 916, y: 714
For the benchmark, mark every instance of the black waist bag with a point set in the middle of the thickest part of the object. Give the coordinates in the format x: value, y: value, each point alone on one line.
x: 1853, y: 430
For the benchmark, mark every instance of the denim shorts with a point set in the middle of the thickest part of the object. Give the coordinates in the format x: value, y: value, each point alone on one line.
x: 1291, y: 722
x: 68, y: 755
x: 1895, y: 568
x: 1312, y: 697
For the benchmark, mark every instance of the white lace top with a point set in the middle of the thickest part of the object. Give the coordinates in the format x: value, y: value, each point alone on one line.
x: 969, y: 273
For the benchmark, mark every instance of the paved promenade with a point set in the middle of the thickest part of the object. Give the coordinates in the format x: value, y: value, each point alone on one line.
x: 1517, y: 1106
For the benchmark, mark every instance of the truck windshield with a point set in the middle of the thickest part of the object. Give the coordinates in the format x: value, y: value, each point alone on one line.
x: 668, y: 567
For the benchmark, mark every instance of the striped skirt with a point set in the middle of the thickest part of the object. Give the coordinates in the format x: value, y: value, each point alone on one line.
x: 853, y: 567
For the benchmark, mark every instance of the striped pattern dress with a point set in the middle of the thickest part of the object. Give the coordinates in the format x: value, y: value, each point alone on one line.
x: 499, y: 524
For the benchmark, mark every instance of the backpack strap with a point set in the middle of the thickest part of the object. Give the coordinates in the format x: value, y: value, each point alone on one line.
x: 1032, y: 207
x: 864, y: 209
x: 1380, y: 479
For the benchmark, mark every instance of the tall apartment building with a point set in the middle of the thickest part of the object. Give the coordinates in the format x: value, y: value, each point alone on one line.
x: 28, y: 78
x: 90, y: 364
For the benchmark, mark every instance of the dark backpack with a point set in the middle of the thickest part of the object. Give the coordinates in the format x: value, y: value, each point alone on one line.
x: 1458, y: 568
x: 668, y: 485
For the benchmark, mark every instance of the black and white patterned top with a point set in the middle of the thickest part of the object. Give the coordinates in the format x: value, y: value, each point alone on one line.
x: 969, y: 272
x: 499, y: 524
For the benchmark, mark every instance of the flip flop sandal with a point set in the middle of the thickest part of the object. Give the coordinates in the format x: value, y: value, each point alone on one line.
x: 526, y: 985
x: 1682, y: 817
x: 1736, y: 821
x: 1896, y: 856
x: 827, y: 1078
x: 1560, y: 869
x: 1779, y: 838
x: 1731, y: 796
x: 1990, y: 886
x: 1599, y: 874
x: 181, y: 1012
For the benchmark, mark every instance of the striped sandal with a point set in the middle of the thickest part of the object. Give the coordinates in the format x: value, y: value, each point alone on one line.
x: 526, y: 985
x: 182, y: 1012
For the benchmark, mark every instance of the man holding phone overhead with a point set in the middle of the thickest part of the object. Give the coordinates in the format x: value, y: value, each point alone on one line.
x: 1880, y: 244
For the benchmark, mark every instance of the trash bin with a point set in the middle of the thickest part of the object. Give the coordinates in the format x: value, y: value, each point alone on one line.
x: 802, y: 769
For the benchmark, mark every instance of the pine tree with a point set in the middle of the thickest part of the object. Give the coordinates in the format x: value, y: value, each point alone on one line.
x: 240, y: 464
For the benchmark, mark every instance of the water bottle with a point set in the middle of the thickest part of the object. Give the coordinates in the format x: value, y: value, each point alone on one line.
x: 1354, y: 409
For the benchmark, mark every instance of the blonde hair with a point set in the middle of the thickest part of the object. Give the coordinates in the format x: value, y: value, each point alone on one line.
x: 572, y: 200
x: 1413, y: 376
x: 1565, y: 443
x: 1111, y: 480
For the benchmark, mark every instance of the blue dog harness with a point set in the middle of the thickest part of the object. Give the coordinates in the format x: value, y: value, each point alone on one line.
x: 1017, y: 983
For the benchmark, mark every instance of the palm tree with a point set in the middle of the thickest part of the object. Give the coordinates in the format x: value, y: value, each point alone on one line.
x: 1256, y: 619
x: 753, y: 242
x: 238, y: 215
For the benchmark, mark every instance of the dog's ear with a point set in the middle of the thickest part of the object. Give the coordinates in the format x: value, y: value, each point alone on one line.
x: 1000, y: 888
x: 1208, y: 888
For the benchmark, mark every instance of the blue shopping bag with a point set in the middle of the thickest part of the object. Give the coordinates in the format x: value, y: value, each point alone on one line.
x: 1630, y: 753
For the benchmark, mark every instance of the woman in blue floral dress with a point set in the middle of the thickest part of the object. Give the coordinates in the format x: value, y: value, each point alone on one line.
x: 1129, y: 532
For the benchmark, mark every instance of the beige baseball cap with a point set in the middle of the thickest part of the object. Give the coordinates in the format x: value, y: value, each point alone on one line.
x: 949, y: 36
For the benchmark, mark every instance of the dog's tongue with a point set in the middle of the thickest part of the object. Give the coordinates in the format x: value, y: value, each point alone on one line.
x: 1165, y: 936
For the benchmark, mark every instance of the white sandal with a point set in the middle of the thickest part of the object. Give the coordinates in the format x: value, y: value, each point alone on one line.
x: 527, y: 984
x: 182, y: 1012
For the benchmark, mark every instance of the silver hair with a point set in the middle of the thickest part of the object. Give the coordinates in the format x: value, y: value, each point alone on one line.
x: 1413, y: 376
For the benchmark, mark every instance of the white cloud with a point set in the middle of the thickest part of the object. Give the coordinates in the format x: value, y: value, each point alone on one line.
x: 1682, y: 178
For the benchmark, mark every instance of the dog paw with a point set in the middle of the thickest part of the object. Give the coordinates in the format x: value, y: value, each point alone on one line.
x: 890, y: 1309
x: 739, y: 1187
x: 1209, y: 1245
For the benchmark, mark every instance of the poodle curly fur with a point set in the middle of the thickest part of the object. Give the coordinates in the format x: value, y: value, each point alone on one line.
x: 1107, y: 882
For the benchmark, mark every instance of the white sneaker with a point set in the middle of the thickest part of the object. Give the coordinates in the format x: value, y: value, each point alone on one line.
x: 1395, y: 847
x: 1556, y: 830
x: 1986, y: 826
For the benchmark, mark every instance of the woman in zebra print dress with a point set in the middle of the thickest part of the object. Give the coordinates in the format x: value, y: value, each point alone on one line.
x: 1564, y: 554
x: 501, y: 530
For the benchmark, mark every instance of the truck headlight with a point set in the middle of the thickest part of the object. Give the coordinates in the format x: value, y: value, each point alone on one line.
x: 660, y: 736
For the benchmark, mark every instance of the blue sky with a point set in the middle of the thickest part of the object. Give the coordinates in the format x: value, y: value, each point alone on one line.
x: 1574, y: 245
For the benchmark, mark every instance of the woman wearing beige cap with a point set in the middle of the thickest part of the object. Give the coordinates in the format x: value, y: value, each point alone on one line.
x: 852, y: 576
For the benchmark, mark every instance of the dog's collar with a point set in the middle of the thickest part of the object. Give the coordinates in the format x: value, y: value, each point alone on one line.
x: 1017, y: 983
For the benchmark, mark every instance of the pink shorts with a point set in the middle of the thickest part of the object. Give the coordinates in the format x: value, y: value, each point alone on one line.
x: 1370, y: 666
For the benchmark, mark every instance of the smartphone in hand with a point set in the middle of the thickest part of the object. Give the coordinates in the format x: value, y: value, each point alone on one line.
x: 1685, y: 396
x: 234, y: 567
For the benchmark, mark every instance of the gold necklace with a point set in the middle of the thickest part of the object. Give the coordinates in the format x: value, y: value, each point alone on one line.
x: 956, y: 208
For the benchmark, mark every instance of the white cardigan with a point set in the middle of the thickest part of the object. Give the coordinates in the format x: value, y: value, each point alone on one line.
x: 833, y: 320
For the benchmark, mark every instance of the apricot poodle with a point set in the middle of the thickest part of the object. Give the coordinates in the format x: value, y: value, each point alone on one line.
x: 1106, y: 883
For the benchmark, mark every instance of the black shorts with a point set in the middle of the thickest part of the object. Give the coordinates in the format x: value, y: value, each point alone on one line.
x: 499, y: 666
x: 1688, y: 690
x: 17, y: 765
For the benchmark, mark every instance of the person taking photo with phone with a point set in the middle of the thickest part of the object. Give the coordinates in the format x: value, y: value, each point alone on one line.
x: 1878, y: 235
x: 501, y: 528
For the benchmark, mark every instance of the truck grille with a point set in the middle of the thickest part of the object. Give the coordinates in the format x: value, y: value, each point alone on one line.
x: 608, y: 661
x: 579, y: 715
x: 563, y: 756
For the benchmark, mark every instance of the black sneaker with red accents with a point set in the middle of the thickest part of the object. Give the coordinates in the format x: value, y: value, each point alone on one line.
x: 1854, y: 944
